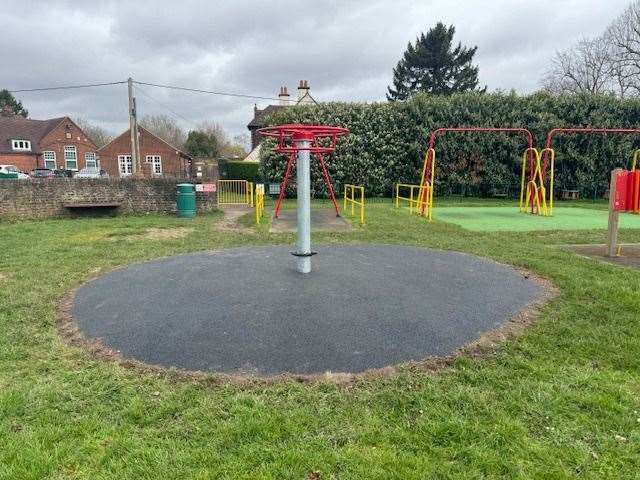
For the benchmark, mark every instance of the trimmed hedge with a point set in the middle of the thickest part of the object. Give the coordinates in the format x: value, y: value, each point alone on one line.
x: 239, y: 170
x: 387, y: 142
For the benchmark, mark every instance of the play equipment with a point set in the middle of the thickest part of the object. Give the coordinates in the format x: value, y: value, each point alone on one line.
x: 299, y: 142
x: 259, y: 202
x: 533, y: 191
x: 624, y: 196
x: 350, y: 197
x: 235, y: 192
x: 548, y: 153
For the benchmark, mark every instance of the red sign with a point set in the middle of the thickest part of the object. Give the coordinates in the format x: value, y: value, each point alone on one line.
x: 206, y: 187
x: 627, y: 193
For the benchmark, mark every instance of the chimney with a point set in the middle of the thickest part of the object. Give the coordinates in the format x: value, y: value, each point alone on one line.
x: 284, y: 96
x: 303, y: 89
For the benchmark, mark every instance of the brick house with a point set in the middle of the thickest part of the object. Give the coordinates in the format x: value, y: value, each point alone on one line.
x: 57, y: 143
x: 157, y: 157
x: 260, y: 115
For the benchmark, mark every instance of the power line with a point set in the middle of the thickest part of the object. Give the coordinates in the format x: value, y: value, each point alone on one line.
x: 210, y: 92
x: 171, y: 87
x: 165, y: 106
x: 66, y: 87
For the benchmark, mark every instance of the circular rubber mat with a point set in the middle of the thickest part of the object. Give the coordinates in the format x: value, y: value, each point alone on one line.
x: 247, y: 310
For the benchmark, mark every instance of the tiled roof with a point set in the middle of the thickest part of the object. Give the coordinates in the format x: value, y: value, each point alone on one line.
x: 260, y: 115
x: 20, y: 128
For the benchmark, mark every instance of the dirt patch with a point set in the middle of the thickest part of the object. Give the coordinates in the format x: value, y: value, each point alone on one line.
x: 486, y: 344
x: 229, y: 222
x: 3, y: 276
x: 155, y: 234
x: 629, y: 254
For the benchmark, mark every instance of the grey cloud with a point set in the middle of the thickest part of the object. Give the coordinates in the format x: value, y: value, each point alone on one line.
x: 346, y: 49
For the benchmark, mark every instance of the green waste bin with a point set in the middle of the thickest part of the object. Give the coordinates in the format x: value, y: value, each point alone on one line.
x: 186, y: 200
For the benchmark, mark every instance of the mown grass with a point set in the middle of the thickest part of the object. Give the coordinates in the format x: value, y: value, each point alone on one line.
x: 562, y: 401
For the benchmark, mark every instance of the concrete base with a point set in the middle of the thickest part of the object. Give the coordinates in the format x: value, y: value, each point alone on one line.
x: 321, y: 220
x: 629, y: 254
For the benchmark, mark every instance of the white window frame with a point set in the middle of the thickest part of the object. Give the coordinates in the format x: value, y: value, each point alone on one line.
x: 91, y: 157
x: 52, y: 158
x: 69, y: 149
x: 156, y: 164
x: 125, y: 165
x: 21, y: 145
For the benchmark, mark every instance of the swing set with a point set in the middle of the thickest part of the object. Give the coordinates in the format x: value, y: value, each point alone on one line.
x: 537, y: 171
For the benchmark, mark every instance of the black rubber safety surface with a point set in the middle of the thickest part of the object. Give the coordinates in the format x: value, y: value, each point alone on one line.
x: 247, y: 310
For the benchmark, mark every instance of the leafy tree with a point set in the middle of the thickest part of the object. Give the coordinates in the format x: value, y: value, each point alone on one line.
x: 432, y: 65
x: 201, y: 144
x: 226, y: 147
x: 166, y: 128
x: 9, y: 105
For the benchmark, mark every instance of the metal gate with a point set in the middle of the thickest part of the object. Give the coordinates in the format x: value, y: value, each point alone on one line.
x: 235, y: 192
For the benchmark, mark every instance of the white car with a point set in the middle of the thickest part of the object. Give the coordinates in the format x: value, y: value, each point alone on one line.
x: 91, y: 172
x: 10, y: 170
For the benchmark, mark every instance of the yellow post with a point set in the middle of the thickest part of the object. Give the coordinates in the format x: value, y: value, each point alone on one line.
x: 344, y: 203
x: 432, y: 184
x: 397, y: 195
x: 552, y: 160
x: 353, y: 197
x: 522, y: 181
x: 362, y: 206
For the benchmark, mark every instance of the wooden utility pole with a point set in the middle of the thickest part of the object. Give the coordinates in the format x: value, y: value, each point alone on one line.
x: 612, y: 233
x: 136, y: 165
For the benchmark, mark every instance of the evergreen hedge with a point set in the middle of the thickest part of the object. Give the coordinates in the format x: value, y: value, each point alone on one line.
x: 387, y: 142
x: 239, y: 170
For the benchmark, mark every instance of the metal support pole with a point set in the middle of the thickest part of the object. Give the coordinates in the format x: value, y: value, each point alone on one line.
x: 612, y: 232
x: 304, y: 207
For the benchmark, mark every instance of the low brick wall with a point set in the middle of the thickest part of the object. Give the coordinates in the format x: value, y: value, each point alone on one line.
x: 27, y: 199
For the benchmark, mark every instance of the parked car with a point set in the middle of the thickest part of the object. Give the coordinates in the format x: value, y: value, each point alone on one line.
x: 63, y: 173
x: 91, y: 172
x: 11, y: 171
x: 41, y: 173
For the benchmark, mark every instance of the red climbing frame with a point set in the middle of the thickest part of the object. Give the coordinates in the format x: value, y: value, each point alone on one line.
x: 288, y: 137
x: 426, y: 169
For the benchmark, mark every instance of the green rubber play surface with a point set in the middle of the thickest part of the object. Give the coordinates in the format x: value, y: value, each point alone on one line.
x: 494, y: 219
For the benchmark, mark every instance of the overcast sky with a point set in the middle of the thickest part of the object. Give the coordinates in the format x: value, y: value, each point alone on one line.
x: 345, y: 49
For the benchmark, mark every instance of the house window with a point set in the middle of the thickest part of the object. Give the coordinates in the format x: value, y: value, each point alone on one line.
x: 21, y: 145
x: 49, y: 159
x: 70, y: 157
x: 90, y: 160
x: 124, y: 165
x: 156, y: 163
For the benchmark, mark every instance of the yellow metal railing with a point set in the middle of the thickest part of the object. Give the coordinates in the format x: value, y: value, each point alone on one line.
x: 235, y: 192
x: 533, y: 193
x: 350, y: 197
x: 414, y: 199
x: 259, y: 202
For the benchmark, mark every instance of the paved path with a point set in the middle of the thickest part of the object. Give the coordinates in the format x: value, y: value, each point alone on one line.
x: 248, y: 310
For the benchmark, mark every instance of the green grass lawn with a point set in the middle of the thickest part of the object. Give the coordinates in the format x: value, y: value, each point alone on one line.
x: 508, y: 218
x: 561, y: 401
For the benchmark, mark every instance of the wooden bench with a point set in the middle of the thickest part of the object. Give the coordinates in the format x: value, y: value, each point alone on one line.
x: 91, y: 205
x: 570, y: 194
